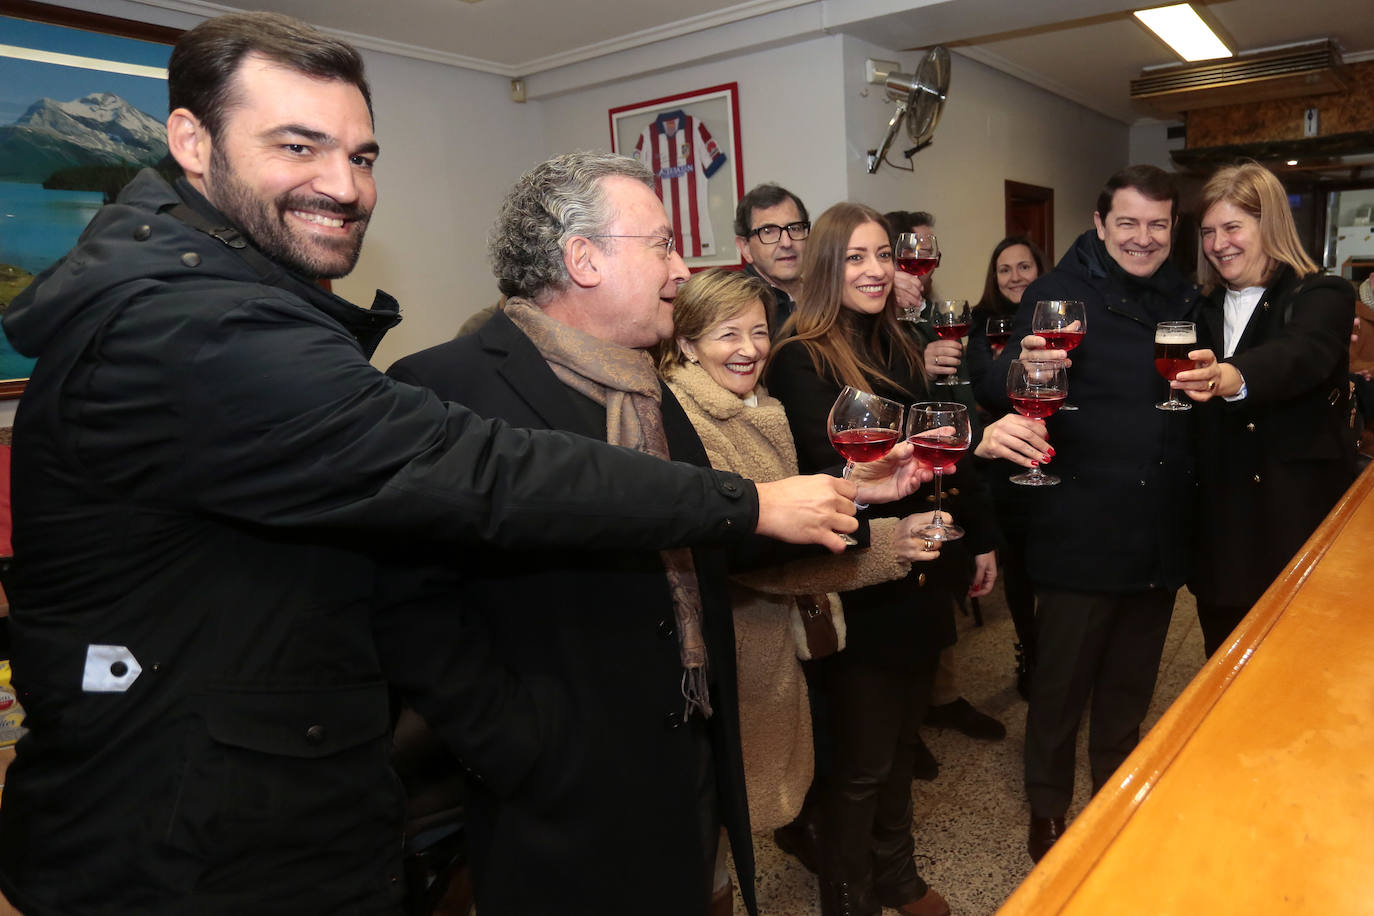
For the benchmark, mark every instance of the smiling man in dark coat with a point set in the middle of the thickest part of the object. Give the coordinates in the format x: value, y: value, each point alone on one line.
x: 1108, y: 546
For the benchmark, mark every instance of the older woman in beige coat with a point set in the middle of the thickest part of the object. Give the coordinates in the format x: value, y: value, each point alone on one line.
x: 713, y: 366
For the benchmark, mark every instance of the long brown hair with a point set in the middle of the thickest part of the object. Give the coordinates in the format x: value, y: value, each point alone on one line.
x: 829, y: 331
x: 1257, y: 191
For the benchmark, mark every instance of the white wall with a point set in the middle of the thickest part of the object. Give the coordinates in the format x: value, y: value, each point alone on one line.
x: 993, y: 128
x: 1150, y: 144
x: 791, y: 115
x: 452, y: 145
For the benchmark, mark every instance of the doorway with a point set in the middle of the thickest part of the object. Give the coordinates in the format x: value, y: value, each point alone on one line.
x: 1030, y: 212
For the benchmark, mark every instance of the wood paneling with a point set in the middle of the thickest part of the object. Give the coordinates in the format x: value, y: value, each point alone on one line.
x: 1253, y: 793
x: 1282, y: 119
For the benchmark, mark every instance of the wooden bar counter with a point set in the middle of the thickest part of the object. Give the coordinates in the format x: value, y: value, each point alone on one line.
x: 1254, y: 793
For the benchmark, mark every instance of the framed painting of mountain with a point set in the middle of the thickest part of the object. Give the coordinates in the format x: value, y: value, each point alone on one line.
x: 83, y: 102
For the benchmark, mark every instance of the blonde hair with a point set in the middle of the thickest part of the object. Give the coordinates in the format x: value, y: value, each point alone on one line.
x: 827, y: 329
x: 1257, y: 191
x: 704, y: 301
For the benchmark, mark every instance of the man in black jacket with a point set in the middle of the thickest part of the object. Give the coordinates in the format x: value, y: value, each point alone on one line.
x: 1107, y: 547
x: 204, y: 465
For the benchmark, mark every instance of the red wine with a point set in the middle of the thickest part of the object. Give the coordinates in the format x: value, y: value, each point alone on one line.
x: 951, y: 331
x: 1061, y: 340
x: 863, y: 444
x: 918, y: 266
x: 999, y: 339
x: 1171, y: 357
x: 1038, y: 403
x: 939, y: 451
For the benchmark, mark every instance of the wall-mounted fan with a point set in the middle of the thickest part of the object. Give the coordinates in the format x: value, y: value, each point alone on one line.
x: 920, y: 98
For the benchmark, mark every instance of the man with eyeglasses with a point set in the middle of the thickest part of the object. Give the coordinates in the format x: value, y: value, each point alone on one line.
x: 771, y: 227
x: 590, y: 695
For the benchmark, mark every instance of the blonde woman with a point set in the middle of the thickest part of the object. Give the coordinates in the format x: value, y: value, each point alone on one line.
x: 1275, y: 450
x: 714, y: 365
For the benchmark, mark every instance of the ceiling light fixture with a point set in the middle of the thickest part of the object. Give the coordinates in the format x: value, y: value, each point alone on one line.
x: 1182, y: 29
x: 1292, y: 162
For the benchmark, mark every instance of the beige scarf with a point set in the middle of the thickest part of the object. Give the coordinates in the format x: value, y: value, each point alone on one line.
x: 623, y: 381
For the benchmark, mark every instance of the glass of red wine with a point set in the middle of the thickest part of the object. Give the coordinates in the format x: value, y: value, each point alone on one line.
x: 939, y: 432
x: 917, y: 255
x: 1062, y: 322
x: 863, y: 427
x: 1173, y: 341
x: 950, y: 319
x: 999, y: 332
x: 1037, y: 389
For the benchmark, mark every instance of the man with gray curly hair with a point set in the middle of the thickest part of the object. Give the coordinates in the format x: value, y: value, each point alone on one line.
x: 594, y: 704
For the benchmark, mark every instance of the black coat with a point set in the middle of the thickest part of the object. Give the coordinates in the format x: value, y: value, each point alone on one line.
x: 892, y: 623
x: 561, y: 691
x: 1118, y: 521
x: 1271, y: 465
x: 204, y: 463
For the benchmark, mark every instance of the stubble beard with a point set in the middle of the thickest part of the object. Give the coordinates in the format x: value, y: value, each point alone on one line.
x: 265, y: 222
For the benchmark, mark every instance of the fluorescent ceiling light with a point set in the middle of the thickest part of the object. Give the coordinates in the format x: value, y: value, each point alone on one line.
x: 1182, y: 29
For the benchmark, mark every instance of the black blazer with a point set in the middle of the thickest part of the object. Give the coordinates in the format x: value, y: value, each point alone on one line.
x: 1270, y: 466
x: 556, y: 677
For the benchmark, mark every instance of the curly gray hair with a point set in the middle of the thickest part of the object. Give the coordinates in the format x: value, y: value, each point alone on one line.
x: 550, y: 204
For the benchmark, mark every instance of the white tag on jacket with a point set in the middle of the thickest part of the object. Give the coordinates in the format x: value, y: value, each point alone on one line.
x: 109, y: 669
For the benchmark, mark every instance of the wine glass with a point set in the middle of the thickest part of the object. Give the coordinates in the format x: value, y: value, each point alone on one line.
x: 950, y: 319
x: 999, y: 332
x: 1173, y: 341
x: 939, y: 432
x: 863, y: 427
x: 1037, y: 389
x: 1062, y: 322
x: 917, y: 255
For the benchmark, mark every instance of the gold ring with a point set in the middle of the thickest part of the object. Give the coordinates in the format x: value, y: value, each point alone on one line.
x: 1212, y: 385
x: 930, y: 545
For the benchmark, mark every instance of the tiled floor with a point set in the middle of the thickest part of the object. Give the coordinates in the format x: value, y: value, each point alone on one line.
x: 970, y: 823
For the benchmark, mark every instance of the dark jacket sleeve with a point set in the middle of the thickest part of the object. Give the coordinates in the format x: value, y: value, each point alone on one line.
x: 277, y: 419
x: 794, y: 380
x: 1307, y: 349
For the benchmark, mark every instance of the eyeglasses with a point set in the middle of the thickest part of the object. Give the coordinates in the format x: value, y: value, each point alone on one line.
x: 771, y: 234
x: 664, y: 243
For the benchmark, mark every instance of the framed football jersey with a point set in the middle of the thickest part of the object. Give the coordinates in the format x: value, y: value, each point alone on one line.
x: 691, y: 144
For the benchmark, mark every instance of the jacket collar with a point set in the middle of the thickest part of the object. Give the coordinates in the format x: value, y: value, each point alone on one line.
x: 528, y: 375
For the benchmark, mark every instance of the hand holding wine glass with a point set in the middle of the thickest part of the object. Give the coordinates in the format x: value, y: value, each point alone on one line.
x: 1062, y: 324
x: 950, y: 319
x: 1037, y: 389
x: 863, y: 427
x: 939, y: 432
x: 1173, y: 341
x: 917, y: 255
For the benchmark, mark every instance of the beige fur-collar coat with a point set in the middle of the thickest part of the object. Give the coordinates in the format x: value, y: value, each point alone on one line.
x: 775, y: 717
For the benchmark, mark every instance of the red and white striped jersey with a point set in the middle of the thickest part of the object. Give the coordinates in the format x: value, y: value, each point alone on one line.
x: 682, y: 155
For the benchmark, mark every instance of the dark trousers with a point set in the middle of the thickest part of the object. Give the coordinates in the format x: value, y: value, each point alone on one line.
x: 866, y: 836
x: 1217, y: 620
x: 1016, y: 584
x: 1104, y: 645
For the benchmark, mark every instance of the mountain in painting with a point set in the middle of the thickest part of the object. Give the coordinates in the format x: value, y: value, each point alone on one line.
x: 100, y: 129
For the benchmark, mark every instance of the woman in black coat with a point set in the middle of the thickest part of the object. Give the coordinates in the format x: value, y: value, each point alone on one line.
x: 844, y: 332
x: 1016, y: 262
x: 1275, y: 449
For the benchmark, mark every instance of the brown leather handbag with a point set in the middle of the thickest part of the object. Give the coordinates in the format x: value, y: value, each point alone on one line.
x: 818, y: 636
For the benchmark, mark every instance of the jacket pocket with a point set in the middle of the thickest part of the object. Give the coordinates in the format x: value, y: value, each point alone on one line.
x: 288, y: 769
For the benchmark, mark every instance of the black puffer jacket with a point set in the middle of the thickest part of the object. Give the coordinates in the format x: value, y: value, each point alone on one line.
x: 1120, y: 520
x: 203, y: 460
